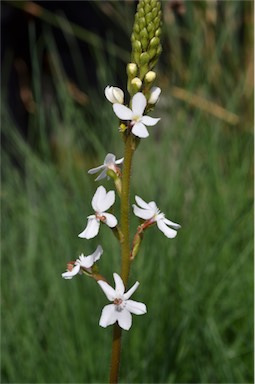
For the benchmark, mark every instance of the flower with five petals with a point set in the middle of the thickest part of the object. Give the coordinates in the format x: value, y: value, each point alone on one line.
x: 138, y: 122
x: 110, y: 162
x: 121, y: 308
x: 151, y: 213
x: 86, y: 262
x: 101, y: 202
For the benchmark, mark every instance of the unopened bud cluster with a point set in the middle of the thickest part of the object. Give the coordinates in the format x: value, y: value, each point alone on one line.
x: 146, y: 46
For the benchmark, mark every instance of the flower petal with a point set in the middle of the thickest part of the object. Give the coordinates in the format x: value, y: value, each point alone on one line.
x: 147, y: 120
x: 106, y: 202
x: 92, y: 228
x: 88, y: 261
x: 98, y: 197
x: 144, y: 214
x: 136, y: 307
x: 119, y: 285
x: 141, y: 202
x: 124, y: 319
x: 108, y: 316
x: 140, y: 130
x: 130, y: 292
x: 114, y: 94
x: 138, y: 103
x: 95, y: 170
x: 102, y: 175
x: 109, y: 159
x: 154, y: 96
x: 72, y: 273
x: 122, y: 112
x: 111, y: 220
x: 168, y: 232
x: 174, y: 225
x: 108, y: 290
x: 120, y: 161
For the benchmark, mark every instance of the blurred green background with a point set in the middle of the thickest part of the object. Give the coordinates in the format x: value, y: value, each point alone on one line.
x: 197, y: 165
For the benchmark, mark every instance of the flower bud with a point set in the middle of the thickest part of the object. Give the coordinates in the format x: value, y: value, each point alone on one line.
x: 132, y: 70
x: 154, y: 96
x: 114, y: 94
x: 150, y: 76
x: 136, y: 84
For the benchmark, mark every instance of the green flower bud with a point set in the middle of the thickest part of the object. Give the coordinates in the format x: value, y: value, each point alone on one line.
x: 144, y: 58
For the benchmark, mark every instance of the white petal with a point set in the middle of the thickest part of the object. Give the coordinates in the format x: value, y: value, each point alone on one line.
x: 130, y: 292
x: 118, y: 95
x: 138, y: 104
x: 108, y: 290
x: 109, y: 159
x: 174, y: 225
x: 124, y: 319
x: 108, y: 316
x: 136, y: 307
x: 168, y: 232
x: 95, y: 170
x: 72, y: 273
x: 140, y: 130
x: 147, y: 120
x: 119, y: 285
x: 141, y: 202
x: 123, y: 112
x: 88, y: 261
x: 111, y: 220
x: 106, y: 202
x: 153, y: 207
x: 154, y: 96
x: 144, y: 214
x: 92, y: 228
x: 102, y: 175
x: 98, y: 197
x: 114, y: 94
x: 120, y: 161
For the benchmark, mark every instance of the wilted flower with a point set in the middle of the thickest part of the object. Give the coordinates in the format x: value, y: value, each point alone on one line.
x: 122, y: 307
x: 135, y: 115
x: 73, y: 268
x: 110, y: 162
x: 149, y: 211
x: 101, y: 202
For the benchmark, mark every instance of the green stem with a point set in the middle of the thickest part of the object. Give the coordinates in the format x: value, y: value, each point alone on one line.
x: 125, y: 251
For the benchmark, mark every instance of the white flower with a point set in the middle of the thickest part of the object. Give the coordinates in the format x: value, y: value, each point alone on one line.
x: 149, y: 211
x: 82, y: 262
x: 135, y: 115
x: 122, y: 307
x: 110, y: 162
x: 101, y: 202
x: 114, y: 94
x: 154, y: 96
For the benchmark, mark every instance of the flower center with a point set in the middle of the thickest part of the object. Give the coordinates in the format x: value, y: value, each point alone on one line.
x: 135, y: 119
x: 119, y: 304
x: 100, y: 217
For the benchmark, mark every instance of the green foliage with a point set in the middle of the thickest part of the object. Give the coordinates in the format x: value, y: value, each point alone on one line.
x: 197, y: 287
